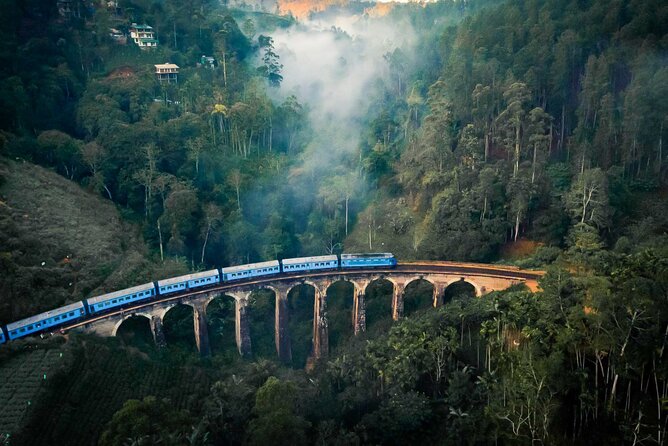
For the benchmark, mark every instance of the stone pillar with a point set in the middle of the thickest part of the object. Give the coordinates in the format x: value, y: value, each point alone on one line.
x: 201, y: 329
x: 320, y: 331
x: 398, y: 291
x: 281, y: 331
x: 158, y: 333
x: 439, y: 293
x: 242, y: 328
x: 359, y: 311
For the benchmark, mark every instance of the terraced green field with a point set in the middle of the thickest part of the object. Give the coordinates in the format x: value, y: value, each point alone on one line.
x: 23, y: 379
x: 101, y: 375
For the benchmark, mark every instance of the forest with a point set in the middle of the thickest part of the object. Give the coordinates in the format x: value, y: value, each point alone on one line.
x: 524, y: 132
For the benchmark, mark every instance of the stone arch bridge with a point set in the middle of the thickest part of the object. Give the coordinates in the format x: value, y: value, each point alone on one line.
x: 441, y: 275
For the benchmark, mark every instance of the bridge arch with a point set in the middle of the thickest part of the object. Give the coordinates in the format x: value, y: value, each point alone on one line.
x: 301, y: 302
x: 379, y: 294
x: 127, y: 316
x: 306, y: 282
x: 418, y: 295
x: 418, y: 278
x: 179, y: 325
x: 460, y: 286
x: 340, y: 296
x: 261, y: 322
x: 220, y: 319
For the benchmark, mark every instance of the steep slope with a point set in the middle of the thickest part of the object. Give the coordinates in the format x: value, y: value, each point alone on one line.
x: 60, y: 243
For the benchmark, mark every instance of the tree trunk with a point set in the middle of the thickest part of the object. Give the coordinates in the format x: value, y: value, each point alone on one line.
x: 238, y: 198
x: 563, y: 125
x: 250, y: 143
x: 484, y: 209
x: 162, y: 253
x: 206, y: 239
x: 347, y: 200
x: 533, y: 164
x: 224, y: 72
x: 517, y: 151
x: 658, y: 169
x: 271, y: 133
x: 370, y: 229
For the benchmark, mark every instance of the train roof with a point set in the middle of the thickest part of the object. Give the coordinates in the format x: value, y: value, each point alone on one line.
x: 134, y: 289
x: 234, y: 269
x: 367, y: 255
x: 45, y: 315
x: 194, y: 276
x: 309, y: 259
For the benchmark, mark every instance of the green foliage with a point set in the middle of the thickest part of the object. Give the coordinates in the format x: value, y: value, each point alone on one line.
x: 147, y: 421
x: 276, y: 420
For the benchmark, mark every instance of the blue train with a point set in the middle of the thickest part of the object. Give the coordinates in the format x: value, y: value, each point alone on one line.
x: 106, y: 302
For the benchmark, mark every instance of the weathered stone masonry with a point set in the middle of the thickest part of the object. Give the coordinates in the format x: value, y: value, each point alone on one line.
x: 281, y: 287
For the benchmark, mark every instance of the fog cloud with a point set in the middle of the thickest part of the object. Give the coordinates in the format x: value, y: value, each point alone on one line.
x: 331, y: 65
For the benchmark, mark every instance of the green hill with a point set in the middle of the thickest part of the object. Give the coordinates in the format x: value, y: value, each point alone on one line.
x: 60, y: 243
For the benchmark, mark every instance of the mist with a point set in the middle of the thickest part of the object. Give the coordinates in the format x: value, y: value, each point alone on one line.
x: 331, y: 65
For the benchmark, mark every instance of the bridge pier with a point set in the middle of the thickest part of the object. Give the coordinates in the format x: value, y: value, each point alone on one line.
x: 359, y: 310
x: 439, y: 293
x: 320, y: 325
x: 242, y: 329
x: 201, y: 329
x: 398, y: 293
x: 283, y: 349
x: 157, y: 331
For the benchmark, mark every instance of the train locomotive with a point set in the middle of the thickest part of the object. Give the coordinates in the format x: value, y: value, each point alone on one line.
x: 101, y: 304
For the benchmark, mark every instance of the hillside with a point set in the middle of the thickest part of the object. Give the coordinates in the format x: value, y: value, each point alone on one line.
x: 60, y: 243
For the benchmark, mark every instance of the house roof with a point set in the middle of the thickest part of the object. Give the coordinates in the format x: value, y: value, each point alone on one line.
x: 166, y: 66
x: 140, y: 27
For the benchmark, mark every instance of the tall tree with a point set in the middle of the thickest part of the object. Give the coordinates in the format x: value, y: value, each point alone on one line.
x: 512, y: 120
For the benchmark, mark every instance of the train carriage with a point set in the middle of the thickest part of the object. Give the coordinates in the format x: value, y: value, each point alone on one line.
x: 46, y: 320
x: 119, y: 298
x: 310, y: 263
x: 189, y: 281
x: 251, y: 270
x: 366, y: 260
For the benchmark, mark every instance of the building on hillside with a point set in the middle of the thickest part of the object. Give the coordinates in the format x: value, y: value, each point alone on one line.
x: 167, y: 72
x: 207, y: 62
x: 143, y: 36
